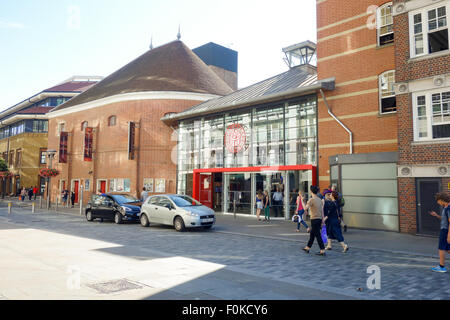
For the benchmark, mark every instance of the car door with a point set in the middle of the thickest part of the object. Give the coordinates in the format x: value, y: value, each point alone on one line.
x: 107, y: 208
x: 95, y: 205
x: 164, y: 213
x: 152, y: 209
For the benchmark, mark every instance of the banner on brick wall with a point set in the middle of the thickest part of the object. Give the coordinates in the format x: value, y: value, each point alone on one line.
x: 131, y: 137
x: 63, y: 139
x: 88, y: 144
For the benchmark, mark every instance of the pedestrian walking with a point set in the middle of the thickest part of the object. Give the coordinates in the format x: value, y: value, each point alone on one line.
x: 331, y: 219
x: 277, y: 201
x: 259, y: 204
x: 298, y: 216
x: 266, y: 203
x: 23, y: 194
x: 315, y: 209
x: 30, y: 193
x: 341, y: 203
x: 443, y: 200
x: 35, y: 191
x: 72, y: 199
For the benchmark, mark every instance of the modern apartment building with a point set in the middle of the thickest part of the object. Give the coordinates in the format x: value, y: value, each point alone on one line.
x: 24, y: 132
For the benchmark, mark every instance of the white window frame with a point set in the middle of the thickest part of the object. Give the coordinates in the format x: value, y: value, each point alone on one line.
x: 429, y: 114
x: 425, y: 29
x: 380, y: 90
x: 60, y: 125
x: 379, y: 23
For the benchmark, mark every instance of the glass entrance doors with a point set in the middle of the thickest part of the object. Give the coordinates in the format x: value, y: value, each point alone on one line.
x: 238, y: 193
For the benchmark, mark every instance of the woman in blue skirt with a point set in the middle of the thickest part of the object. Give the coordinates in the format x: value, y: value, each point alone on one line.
x: 331, y: 214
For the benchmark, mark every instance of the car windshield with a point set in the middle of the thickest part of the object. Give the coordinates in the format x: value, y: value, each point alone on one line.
x: 123, y: 198
x: 185, y: 201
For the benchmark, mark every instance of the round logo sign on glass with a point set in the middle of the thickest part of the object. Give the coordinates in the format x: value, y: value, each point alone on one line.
x: 235, y: 138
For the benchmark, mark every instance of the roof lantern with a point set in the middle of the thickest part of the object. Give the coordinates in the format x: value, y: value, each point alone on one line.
x: 301, y: 54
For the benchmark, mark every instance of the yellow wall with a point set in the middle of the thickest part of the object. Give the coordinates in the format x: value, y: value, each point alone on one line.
x: 30, y: 143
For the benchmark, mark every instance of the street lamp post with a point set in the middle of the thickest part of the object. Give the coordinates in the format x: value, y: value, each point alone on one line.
x: 50, y: 155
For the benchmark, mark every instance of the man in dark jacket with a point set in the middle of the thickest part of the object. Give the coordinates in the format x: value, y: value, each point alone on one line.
x: 30, y: 193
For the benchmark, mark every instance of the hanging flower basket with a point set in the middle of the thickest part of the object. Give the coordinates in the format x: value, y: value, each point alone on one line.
x: 46, y: 172
x: 6, y: 174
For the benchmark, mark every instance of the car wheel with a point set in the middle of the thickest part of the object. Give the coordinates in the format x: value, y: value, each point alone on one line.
x: 118, y: 218
x: 179, y: 224
x: 89, y: 216
x: 144, y: 220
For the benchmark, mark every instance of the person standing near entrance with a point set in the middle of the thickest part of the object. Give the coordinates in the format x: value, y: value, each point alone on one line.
x: 300, y: 212
x: 23, y: 194
x: 30, y: 193
x: 315, y: 208
x: 443, y: 200
x: 277, y: 201
x: 65, y: 196
x: 259, y: 205
x: 72, y: 199
x: 266, y: 204
x: 35, y: 191
x: 144, y: 194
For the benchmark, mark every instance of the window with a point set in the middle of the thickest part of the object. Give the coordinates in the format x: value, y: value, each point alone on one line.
x: 18, y: 158
x: 388, y: 102
x: 432, y: 115
x: 11, y: 158
x: 385, y: 24
x: 84, y: 125
x: 42, y: 156
x: 61, y: 127
x: 40, y: 125
x: 429, y: 31
x: 112, y: 121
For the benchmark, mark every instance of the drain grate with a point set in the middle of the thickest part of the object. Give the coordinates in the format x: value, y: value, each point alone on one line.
x: 114, y: 286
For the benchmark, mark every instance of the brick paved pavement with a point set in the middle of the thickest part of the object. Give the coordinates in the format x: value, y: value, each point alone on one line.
x: 273, y: 255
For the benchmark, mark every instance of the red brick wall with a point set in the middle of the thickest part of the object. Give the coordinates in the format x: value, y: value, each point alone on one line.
x: 407, y: 205
x: 153, y: 140
x: 364, y: 64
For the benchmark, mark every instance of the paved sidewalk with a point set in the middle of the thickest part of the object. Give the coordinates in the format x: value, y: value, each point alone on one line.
x: 285, y: 230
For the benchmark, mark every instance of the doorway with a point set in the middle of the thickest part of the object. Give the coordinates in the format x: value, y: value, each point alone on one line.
x: 76, y: 189
x: 206, y: 187
x: 217, y: 192
x: 426, y: 189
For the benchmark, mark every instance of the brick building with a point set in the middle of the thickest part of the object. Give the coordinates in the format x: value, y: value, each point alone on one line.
x: 110, y: 138
x: 357, y: 132
x: 24, y: 132
x: 423, y: 99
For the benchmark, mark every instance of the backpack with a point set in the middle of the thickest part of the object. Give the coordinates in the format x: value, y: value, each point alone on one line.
x: 342, y: 202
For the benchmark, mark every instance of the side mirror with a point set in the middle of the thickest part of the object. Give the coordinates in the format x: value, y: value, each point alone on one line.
x: 169, y: 206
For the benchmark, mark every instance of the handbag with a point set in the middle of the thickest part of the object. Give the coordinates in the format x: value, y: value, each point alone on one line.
x: 323, y: 234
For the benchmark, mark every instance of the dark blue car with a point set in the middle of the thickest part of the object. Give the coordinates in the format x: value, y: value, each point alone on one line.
x: 116, y: 207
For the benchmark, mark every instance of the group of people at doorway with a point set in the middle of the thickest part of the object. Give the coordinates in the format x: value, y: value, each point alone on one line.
x: 65, y: 197
x: 28, y: 192
x: 324, y: 209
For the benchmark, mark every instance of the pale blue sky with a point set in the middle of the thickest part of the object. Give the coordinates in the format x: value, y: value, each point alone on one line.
x: 43, y: 42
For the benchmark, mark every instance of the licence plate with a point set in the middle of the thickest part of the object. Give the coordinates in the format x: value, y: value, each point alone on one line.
x: 208, y: 220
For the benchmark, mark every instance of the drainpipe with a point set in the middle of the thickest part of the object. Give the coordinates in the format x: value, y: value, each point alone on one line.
x: 338, y: 121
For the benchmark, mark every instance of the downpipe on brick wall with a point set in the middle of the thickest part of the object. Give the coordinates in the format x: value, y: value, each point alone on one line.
x: 338, y: 121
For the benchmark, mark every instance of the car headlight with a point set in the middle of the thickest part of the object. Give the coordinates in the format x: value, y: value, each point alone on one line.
x: 192, y: 214
x: 126, y: 209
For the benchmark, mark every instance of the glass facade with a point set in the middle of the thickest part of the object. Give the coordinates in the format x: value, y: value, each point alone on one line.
x: 39, y: 126
x: 279, y: 134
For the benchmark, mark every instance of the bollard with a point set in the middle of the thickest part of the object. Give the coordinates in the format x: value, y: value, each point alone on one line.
x: 40, y: 202
x: 234, y: 208
x: 81, y: 202
x: 57, y: 203
x: 9, y: 207
x: 33, y: 207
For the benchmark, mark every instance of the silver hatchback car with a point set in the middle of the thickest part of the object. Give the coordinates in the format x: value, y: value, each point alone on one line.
x: 175, y: 210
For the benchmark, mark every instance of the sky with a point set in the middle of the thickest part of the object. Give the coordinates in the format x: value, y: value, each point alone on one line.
x: 44, y: 42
